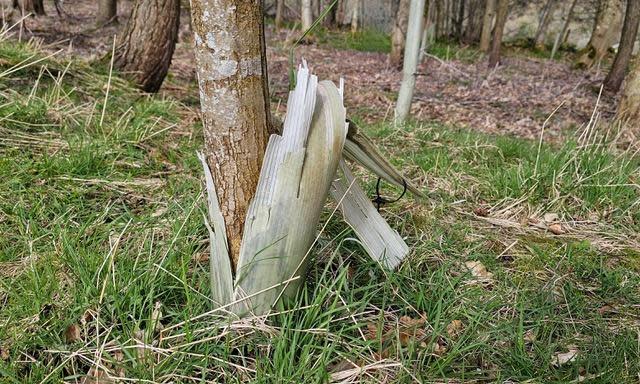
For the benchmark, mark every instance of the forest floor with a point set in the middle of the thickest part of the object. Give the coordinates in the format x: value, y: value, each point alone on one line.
x: 524, y: 263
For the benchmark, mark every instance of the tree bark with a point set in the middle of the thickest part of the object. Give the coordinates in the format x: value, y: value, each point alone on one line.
x: 474, y: 26
x: 35, y: 7
x: 496, y: 42
x: 615, y: 77
x: 629, y: 108
x: 487, y: 23
x: 279, y: 10
x: 565, y: 27
x: 107, y: 12
x: 547, y: 12
x: 604, y: 35
x: 232, y: 77
x: 399, y: 34
x: 411, y: 54
x: 307, y: 15
x: 146, y: 45
x: 460, y: 19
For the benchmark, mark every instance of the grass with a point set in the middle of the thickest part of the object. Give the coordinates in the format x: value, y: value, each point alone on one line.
x: 103, y: 254
x: 367, y: 40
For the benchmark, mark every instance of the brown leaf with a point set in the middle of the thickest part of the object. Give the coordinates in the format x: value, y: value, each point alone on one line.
x: 72, y: 334
x: 96, y: 376
x: 481, y: 211
x: 4, y: 353
x: 454, y: 328
x: 478, y: 270
x: 529, y: 336
x: 556, y: 229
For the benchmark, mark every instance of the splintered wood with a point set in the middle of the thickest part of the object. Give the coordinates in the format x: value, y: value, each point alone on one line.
x: 297, y: 175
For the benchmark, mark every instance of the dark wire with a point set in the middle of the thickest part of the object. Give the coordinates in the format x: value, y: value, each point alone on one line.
x: 379, y: 200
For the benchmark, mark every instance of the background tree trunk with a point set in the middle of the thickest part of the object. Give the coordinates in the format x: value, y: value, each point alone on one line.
x: 625, y: 49
x: 496, y: 42
x: 547, y: 14
x: 307, y: 15
x: 459, y: 19
x: 107, y: 12
x: 474, y: 25
x: 487, y: 23
x: 399, y: 34
x: 565, y: 27
x: 608, y: 18
x: 232, y: 76
x: 146, y: 45
x: 35, y: 7
x: 411, y: 54
x: 629, y: 108
x: 279, y: 10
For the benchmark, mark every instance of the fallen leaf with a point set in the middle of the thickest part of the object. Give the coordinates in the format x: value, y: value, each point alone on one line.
x: 156, y: 315
x: 551, y: 217
x: 478, y: 270
x: 565, y: 357
x: 454, y: 328
x: 72, y: 334
x: 481, y: 211
x: 556, y: 229
x: 529, y: 336
x: 96, y: 376
x: 4, y: 353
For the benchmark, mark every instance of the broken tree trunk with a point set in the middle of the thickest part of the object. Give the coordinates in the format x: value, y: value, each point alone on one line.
x: 297, y: 174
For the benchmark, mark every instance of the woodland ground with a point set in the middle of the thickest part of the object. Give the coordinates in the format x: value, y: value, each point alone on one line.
x: 525, y: 261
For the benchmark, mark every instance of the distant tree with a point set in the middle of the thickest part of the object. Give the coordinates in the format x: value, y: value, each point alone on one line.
x: 232, y: 73
x: 459, y: 10
x: 604, y: 35
x: 615, y: 77
x: 565, y: 27
x: 107, y: 12
x: 487, y: 24
x: 629, y: 107
x: 474, y: 25
x: 411, y: 55
x: 498, y: 30
x: 146, y: 45
x: 34, y: 7
x: 307, y: 14
x: 399, y: 34
x: 279, y: 10
x: 545, y: 19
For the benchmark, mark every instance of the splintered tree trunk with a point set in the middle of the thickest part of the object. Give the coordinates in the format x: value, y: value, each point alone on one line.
x: 279, y: 10
x: 399, y: 34
x: 307, y: 14
x: 145, y: 47
x: 496, y: 41
x: 411, y: 54
x: 487, y: 23
x: 625, y: 49
x: 547, y: 12
x: 107, y: 12
x: 232, y: 76
x: 629, y: 108
x: 604, y: 35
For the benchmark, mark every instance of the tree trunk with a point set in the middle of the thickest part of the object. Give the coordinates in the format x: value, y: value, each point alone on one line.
x: 487, y: 23
x: 307, y: 15
x: 34, y: 7
x: 279, y: 10
x: 604, y: 35
x: 460, y: 19
x: 565, y: 27
x: 107, y: 12
x: 146, y: 45
x: 474, y: 26
x: 232, y: 74
x: 547, y: 12
x: 496, y: 42
x: 411, y: 54
x: 629, y: 108
x: 625, y: 49
x: 399, y: 34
